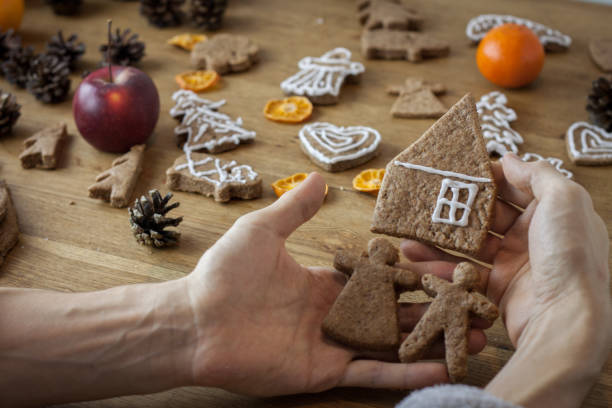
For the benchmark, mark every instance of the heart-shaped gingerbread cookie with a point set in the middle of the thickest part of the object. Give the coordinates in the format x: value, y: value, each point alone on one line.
x: 589, y: 145
x: 337, y: 148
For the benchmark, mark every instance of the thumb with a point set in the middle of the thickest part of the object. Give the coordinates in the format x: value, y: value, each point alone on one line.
x: 536, y: 179
x: 295, y: 207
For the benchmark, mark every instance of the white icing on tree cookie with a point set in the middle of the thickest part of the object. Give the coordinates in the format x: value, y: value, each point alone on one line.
x: 495, y: 118
x: 186, y: 100
x: 556, y: 163
x: 323, y: 75
x: 229, y: 172
x: 478, y: 27
x: 589, y: 144
x: 331, y: 144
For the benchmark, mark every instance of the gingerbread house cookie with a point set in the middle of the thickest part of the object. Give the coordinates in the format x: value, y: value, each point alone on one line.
x: 440, y: 190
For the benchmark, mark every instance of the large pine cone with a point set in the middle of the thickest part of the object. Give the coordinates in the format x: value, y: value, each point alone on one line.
x: 9, y: 42
x: 125, y: 49
x: 208, y: 14
x: 48, y: 79
x: 17, y: 66
x: 162, y: 13
x: 67, y: 49
x: 9, y: 112
x: 148, y: 220
x: 600, y: 103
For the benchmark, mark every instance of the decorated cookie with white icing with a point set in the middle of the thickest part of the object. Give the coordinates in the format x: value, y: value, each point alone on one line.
x: 495, y: 118
x: 589, y: 145
x: 202, y: 128
x: 213, y: 177
x: 338, y: 148
x: 552, y: 40
x: 556, y: 163
x: 320, y: 78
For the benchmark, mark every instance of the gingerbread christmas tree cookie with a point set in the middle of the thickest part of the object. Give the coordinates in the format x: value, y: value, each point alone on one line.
x: 43, y: 148
x: 440, y: 190
x: 495, y: 117
x: 417, y: 98
x: 116, y: 184
x: 213, y: 177
x: 364, y: 315
x: 225, y: 53
x: 9, y: 228
x: 449, y: 313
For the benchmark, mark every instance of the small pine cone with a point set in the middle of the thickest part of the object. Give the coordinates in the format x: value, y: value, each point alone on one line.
x: 69, y: 50
x: 208, y: 14
x: 65, y: 7
x: 162, y: 13
x: 17, y: 66
x: 599, y: 104
x: 125, y: 49
x: 48, y: 79
x: 148, y: 220
x: 9, y: 112
x: 9, y: 42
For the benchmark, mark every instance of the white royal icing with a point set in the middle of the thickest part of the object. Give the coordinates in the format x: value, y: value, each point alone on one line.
x: 556, y: 163
x: 203, y: 113
x: 444, y: 173
x: 455, y: 186
x: 334, y: 141
x: 496, y: 129
x: 454, y: 204
x: 316, y: 76
x: 478, y: 27
x: 593, y: 142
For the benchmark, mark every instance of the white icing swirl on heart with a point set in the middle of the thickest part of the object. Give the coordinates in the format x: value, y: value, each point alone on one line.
x: 331, y: 144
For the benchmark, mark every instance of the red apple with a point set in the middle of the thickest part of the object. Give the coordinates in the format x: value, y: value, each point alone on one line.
x: 114, y: 114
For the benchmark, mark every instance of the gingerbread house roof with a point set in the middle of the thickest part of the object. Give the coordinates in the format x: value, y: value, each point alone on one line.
x: 440, y: 190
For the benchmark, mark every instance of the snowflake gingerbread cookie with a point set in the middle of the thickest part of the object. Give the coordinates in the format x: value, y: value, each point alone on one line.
x: 495, y: 118
x: 320, y: 78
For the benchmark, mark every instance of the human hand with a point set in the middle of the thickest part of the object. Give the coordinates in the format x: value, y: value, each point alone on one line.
x: 259, y: 313
x: 550, y: 277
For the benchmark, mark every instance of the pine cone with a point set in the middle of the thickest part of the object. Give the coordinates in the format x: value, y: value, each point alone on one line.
x: 600, y: 103
x: 9, y: 42
x: 125, y: 49
x: 48, y: 79
x: 147, y: 219
x: 68, y: 49
x: 17, y: 65
x: 9, y: 112
x: 65, y: 7
x: 162, y: 13
x: 208, y: 14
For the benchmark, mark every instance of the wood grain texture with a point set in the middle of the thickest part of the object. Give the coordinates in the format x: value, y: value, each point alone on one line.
x: 72, y: 243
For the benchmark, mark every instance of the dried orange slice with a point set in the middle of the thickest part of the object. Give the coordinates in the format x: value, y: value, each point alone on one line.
x: 197, y: 81
x: 369, y: 181
x: 294, y: 109
x: 186, y: 41
x: 281, y: 186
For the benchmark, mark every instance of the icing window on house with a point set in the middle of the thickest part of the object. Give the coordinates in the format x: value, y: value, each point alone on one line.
x: 454, y: 202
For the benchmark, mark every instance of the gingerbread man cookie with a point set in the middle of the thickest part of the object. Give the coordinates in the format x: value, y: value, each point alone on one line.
x: 320, y: 79
x: 449, y: 313
x: 387, y: 14
x: 408, y: 45
x: 225, y: 53
x: 364, y: 315
x: 43, y: 149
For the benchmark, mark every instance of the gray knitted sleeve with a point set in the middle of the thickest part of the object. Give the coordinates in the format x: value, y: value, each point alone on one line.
x: 453, y: 396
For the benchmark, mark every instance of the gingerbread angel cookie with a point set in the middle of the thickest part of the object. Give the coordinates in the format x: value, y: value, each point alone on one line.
x: 43, y: 149
x: 449, y: 313
x: 320, y: 79
x: 589, y: 145
x: 225, y: 53
x: 364, y: 316
x: 387, y: 14
x: 9, y: 228
x: 417, y: 98
x: 495, y: 118
x: 408, y: 45
x: 116, y: 184
x: 213, y: 177
x: 552, y: 40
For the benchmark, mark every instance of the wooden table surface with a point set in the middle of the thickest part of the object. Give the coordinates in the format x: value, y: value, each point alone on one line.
x: 70, y: 242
